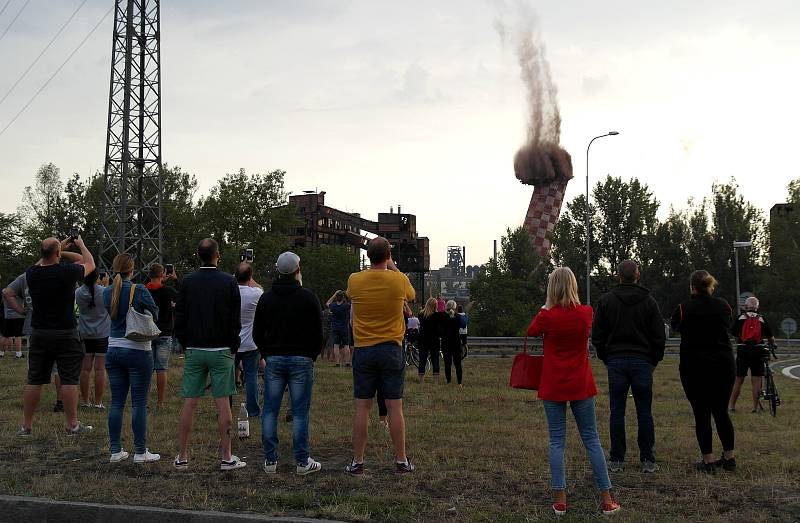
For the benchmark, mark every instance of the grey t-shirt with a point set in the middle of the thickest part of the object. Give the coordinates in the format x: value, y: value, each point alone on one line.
x: 20, y: 289
x: 93, y: 322
x: 10, y: 313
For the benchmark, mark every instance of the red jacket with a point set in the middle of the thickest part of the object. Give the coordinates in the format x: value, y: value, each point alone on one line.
x: 566, y: 373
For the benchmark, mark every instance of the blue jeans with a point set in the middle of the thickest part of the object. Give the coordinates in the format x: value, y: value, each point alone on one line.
x: 250, y: 361
x: 128, y: 369
x: 583, y: 410
x: 637, y: 374
x: 298, y: 373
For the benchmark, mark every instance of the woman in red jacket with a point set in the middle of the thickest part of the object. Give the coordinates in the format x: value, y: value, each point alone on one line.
x: 567, y: 377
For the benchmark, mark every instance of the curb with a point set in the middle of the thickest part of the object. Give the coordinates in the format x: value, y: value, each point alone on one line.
x: 16, y: 509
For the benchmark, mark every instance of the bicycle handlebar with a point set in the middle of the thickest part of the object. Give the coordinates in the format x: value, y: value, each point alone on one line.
x: 768, y: 347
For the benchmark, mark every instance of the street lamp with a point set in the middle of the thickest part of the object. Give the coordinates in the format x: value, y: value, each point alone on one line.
x: 588, y: 225
x: 736, y: 247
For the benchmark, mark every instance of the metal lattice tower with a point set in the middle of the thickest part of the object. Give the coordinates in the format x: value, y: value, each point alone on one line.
x: 131, y: 210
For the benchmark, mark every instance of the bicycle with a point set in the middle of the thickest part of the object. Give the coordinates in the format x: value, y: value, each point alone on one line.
x: 411, y: 351
x: 769, y: 391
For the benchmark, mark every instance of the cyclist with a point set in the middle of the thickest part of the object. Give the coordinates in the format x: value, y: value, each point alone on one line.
x: 750, y: 329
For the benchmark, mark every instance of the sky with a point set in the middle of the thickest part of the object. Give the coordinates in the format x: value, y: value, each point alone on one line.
x: 420, y: 103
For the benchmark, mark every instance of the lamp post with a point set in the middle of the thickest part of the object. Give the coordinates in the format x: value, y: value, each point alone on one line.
x: 736, y: 247
x: 588, y: 224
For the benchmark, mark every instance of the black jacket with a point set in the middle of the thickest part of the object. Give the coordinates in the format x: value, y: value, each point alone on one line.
x: 288, y: 321
x: 208, y: 310
x: 704, y: 323
x: 627, y: 322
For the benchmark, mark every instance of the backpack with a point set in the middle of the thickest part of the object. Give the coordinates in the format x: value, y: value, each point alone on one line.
x: 751, y: 329
x: 462, y: 321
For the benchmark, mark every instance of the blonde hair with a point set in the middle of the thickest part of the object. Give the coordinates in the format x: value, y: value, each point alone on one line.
x: 123, y: 267
x: 430, y: 307
x: 562, y: 288
x: 450, y: 308
x: 703, y: 283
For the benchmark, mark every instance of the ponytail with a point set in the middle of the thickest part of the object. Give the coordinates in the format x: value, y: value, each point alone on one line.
x: 116, y: 290
x: 123, y: 267
x: 89, y: 282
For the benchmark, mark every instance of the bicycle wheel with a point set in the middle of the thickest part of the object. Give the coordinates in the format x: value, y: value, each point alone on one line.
x: 464, y: 351
x: 770, y: 393
x: 413, y: 355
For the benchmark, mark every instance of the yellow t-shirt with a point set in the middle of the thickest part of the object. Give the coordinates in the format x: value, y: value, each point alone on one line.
x: 378, y: 298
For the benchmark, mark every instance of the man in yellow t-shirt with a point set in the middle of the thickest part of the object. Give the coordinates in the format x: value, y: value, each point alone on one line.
x: 378, y: 295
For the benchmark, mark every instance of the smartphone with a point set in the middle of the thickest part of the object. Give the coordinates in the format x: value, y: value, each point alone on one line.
x: 170, y: 268
x: 101, y: 275
x: 74, y: 233
x: 248, y: 255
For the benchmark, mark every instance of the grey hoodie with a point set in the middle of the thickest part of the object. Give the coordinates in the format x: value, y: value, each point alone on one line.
x: 93, y: 322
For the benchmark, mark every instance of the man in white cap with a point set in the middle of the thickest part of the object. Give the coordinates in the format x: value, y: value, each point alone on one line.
x: 749, y: 329
x: 287, y: 330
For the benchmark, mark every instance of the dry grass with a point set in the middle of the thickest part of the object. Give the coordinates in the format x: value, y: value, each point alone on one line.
x: 480, y: 452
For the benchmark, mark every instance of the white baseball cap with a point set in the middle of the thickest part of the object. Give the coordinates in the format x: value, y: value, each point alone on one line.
x: 288, y: 263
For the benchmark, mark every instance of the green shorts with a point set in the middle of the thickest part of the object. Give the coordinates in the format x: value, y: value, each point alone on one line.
x: 197, y: 366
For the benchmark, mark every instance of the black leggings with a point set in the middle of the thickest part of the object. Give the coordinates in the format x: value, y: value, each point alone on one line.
x: 708, y: 390
x: 426, y: 348
x: 452, y: 357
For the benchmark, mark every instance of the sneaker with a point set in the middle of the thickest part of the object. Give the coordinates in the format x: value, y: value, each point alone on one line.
x: 86, y: 405
x: 100, y: 406
x: 355, y: 469
x: 705, y: 468
x: 2, y: 354
x: 610, y: 509
x: 732, y: 410
x: 58, y: 407
x: 147, y: 457
x: 310, y: 467
x: 116, y: 457
x: 19, y: 356
x: 403, y: 468
x: 616, y: 466
x: 23, y: 432
x: 649, y: 467
x: 79, y: 428
x: 560, y: 509
x: 270, y: 467
x: 232, y: 464
x: 729, y: 465
x: 180, y: 464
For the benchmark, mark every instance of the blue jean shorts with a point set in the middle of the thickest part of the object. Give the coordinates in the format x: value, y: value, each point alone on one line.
x: 162, y: 347
x: 379, y: 368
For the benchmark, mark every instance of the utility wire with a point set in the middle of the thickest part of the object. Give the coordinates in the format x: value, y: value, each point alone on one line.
x: 21, y: 9
x: 4, y: 7
x: 60, y: 67
x: 23, y: 75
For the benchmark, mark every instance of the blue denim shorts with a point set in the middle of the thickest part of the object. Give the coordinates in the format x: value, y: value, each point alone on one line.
x: 161, y: 349
x: 379, y: 368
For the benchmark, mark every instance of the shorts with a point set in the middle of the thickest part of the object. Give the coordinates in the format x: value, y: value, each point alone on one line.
x: 162, y: 346
x: 55, y: 346
x: 12, y: 327
x: 199, y: 364
x: 379, y: 368
x: 749, y: 360
x: 340, y: 338
x: 95, y: 345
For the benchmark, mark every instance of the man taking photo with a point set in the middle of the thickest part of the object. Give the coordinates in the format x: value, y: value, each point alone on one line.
x: 628, y: 334
x: 54, y: 336
x: 378, y: 295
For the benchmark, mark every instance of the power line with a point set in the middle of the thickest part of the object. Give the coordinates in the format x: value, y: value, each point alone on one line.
x: 4, y: 7
x: 60, y: 67
x: 23, y: 75
x: 21, y: 9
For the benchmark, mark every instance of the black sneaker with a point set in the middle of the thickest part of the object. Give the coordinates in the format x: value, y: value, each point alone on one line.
x: 729, y: 465
x: 58, y: 407
x: 355, y: 469
x: 401, y: 469
x: 705, y: 468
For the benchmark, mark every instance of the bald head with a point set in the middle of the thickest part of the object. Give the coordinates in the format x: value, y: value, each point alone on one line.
x: 244, y: 272
x: 51, y: 249
x: 208, y: 251
x: 379, y: 250
x: 628, y: 272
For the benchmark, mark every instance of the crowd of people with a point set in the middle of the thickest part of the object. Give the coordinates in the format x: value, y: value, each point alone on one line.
x: 230, y: 328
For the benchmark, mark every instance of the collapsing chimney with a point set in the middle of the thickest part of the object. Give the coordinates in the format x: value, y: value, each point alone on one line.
x: 541, y: 161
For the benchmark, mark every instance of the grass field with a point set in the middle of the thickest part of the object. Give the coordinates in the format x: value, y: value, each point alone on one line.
x: 480, y: 454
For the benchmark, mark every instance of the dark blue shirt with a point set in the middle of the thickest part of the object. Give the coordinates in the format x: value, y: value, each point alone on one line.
x: 340, y: 316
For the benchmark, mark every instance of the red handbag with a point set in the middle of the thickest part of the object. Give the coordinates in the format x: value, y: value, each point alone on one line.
x: 526, y: 370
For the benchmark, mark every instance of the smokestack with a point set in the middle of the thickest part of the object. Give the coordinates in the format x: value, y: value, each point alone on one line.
x: 464, y: 258
x: 495, y: 251
x: 391, y: 209
x: 398, y: 209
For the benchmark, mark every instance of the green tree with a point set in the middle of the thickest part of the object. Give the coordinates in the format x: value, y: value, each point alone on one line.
x: 507, y: 292
x: 11, y: 261
x: 326, y: 268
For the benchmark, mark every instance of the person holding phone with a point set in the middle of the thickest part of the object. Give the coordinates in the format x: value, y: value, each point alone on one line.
x: 165, y: 298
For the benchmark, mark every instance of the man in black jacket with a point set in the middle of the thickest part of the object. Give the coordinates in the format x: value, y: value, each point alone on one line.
x: 628, y: 334
x: 207, y: 324
x: 288, y: 331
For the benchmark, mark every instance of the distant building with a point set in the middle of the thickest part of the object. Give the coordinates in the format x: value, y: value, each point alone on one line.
x: 452, y: 281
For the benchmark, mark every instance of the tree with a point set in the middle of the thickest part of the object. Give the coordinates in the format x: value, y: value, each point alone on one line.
x: 11, y: 259
x: 507, y: 292
x: 326, y: 268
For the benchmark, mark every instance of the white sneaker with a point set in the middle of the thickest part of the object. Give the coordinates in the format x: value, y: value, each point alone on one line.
x: 310, y: 467
x: 232, y: 464
x: 147, y: 457
x: 270, y: 467
x: 116, y: 457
